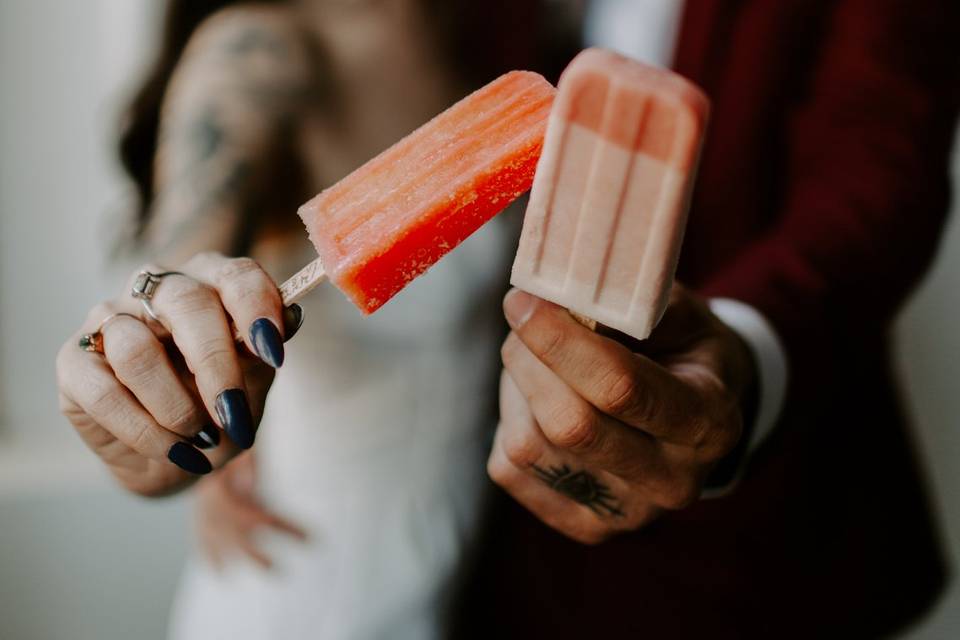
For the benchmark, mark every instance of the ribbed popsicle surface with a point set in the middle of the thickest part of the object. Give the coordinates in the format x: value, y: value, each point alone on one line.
x: 391, y: 219
x: 603, y: 229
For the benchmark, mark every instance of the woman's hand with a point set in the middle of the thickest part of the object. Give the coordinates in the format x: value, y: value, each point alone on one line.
x: 162, y: 391
x: 596, y: 438
x: 229, y: 513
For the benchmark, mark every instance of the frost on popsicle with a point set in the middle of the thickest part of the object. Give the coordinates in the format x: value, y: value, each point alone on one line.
x: 394, y: 217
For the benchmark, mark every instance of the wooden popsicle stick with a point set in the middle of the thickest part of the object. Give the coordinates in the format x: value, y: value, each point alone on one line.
x: 589, y: 323
x: 296, y: 287
x: 302, y: 282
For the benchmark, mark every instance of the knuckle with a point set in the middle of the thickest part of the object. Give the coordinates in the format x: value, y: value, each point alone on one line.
x: 141, y: 487
x: 510, y: 350
x: 642, y: 517
x: 64, y: 403
x: 203, y: 258
x: 593, y: 534
x: 619, y: 395
x: 499, y: 469
x: 103, y: 398
x: 237, y: 268
x: 576, y: 428
x: 188, y: 295
x: 551, y: 342
x: 144, y: 439
x: 701, y: 433
x: 680, y: 494
x: 98, y: 313
x: 729, y: 430
x: 63, y: 365
x: 182, y: 420
x: 213, y: 355
x: 521, y: 448
x: 131, y: 354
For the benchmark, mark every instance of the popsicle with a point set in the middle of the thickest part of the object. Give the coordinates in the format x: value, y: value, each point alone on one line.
x: 391, y: 219
x: 607, y: 211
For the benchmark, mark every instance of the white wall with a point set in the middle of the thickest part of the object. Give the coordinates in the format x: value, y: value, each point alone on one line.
x: 79, y: 559
x: 928, y: 352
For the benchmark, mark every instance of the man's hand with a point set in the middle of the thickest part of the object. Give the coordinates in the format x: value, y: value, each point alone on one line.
x: 598, y: 436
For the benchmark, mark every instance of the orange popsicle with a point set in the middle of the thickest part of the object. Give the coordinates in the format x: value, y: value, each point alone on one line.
x: 391, y: 219
x: 602, y: 233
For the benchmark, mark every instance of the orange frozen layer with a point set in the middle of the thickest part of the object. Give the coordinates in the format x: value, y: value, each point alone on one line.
x: 391, y: 219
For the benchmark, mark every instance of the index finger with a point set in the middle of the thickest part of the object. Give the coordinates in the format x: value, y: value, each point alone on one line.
x: 193, y: 314
x: 618, y: 382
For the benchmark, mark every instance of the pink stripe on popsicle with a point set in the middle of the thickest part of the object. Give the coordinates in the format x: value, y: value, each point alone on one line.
x: 675, y: 108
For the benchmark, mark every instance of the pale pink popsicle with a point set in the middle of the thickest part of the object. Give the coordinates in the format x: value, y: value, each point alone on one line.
x: 391, y: 219
x: 608, y: 207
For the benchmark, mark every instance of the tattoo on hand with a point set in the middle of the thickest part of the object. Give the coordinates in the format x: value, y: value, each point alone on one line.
x: 581, y: 487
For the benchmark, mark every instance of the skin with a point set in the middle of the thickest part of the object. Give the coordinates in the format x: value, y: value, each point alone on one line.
x: 228, y: 119
x: 229, y: 514
x: 597, y: 436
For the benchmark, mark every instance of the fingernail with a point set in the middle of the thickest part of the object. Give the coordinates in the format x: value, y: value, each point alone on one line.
x: 292, y: 319
x: 518, y: 306
x: 189, y: 459
x: 208, y: 438
x: 235, y: 417
x: 267, y: 342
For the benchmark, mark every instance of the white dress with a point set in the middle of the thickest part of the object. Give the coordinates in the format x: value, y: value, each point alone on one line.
x: 374, y: 440
x: 376, y: 428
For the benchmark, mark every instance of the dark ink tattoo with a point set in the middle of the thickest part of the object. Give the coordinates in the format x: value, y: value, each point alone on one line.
x: 581, y: 487
x: 254, y: 39
x: 207, y: 134
x: 213, y: 174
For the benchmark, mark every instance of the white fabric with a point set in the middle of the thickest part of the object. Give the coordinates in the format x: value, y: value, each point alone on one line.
x: 771, y: 359
x: 645, y: 30
x: 374, y: 437
x: 374, y: 441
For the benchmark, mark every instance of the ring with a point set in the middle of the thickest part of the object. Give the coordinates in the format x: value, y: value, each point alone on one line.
x: 146, y: 285
x: 93, y: 342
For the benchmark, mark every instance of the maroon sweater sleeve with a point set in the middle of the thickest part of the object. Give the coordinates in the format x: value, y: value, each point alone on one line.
x: 868, y: 185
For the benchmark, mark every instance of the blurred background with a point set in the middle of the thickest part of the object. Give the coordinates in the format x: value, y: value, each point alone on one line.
x: 75, y: 551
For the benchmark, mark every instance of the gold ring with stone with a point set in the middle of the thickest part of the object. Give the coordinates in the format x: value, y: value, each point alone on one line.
x: 93, y: 342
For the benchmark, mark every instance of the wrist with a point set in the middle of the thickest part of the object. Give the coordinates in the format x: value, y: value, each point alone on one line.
x: 762, y: 398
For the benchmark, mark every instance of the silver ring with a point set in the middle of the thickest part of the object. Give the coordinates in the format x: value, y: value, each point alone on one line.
x: 146, y: 285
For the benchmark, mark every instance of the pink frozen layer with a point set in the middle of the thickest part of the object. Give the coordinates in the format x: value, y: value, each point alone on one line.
x: 391, y: 219
x: 647, y: 109
x: 603, y: 229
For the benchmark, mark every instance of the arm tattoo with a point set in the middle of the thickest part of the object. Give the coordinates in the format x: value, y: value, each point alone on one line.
x: 213, y: 172
x: 581, y: 487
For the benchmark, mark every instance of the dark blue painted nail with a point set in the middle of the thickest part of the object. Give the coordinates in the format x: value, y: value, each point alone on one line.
x: 292, y: 320
x: 267, y: 341
x: 208, y: 438
x: 189, y: 459
x: 234, y: 413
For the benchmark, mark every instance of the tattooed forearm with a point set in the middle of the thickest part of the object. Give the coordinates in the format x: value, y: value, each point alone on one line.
x: 225, y: 122
x: 582, y: 487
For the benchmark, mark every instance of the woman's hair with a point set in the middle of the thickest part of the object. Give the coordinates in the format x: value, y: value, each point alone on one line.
x: 482, y: 38
x: 139, y: 130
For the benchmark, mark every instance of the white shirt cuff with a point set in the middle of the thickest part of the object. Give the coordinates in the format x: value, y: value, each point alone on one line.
x: 771, y: 358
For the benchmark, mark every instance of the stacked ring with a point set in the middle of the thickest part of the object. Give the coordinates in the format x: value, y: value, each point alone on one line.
x: 146, y: 285
x: 93, y: 342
